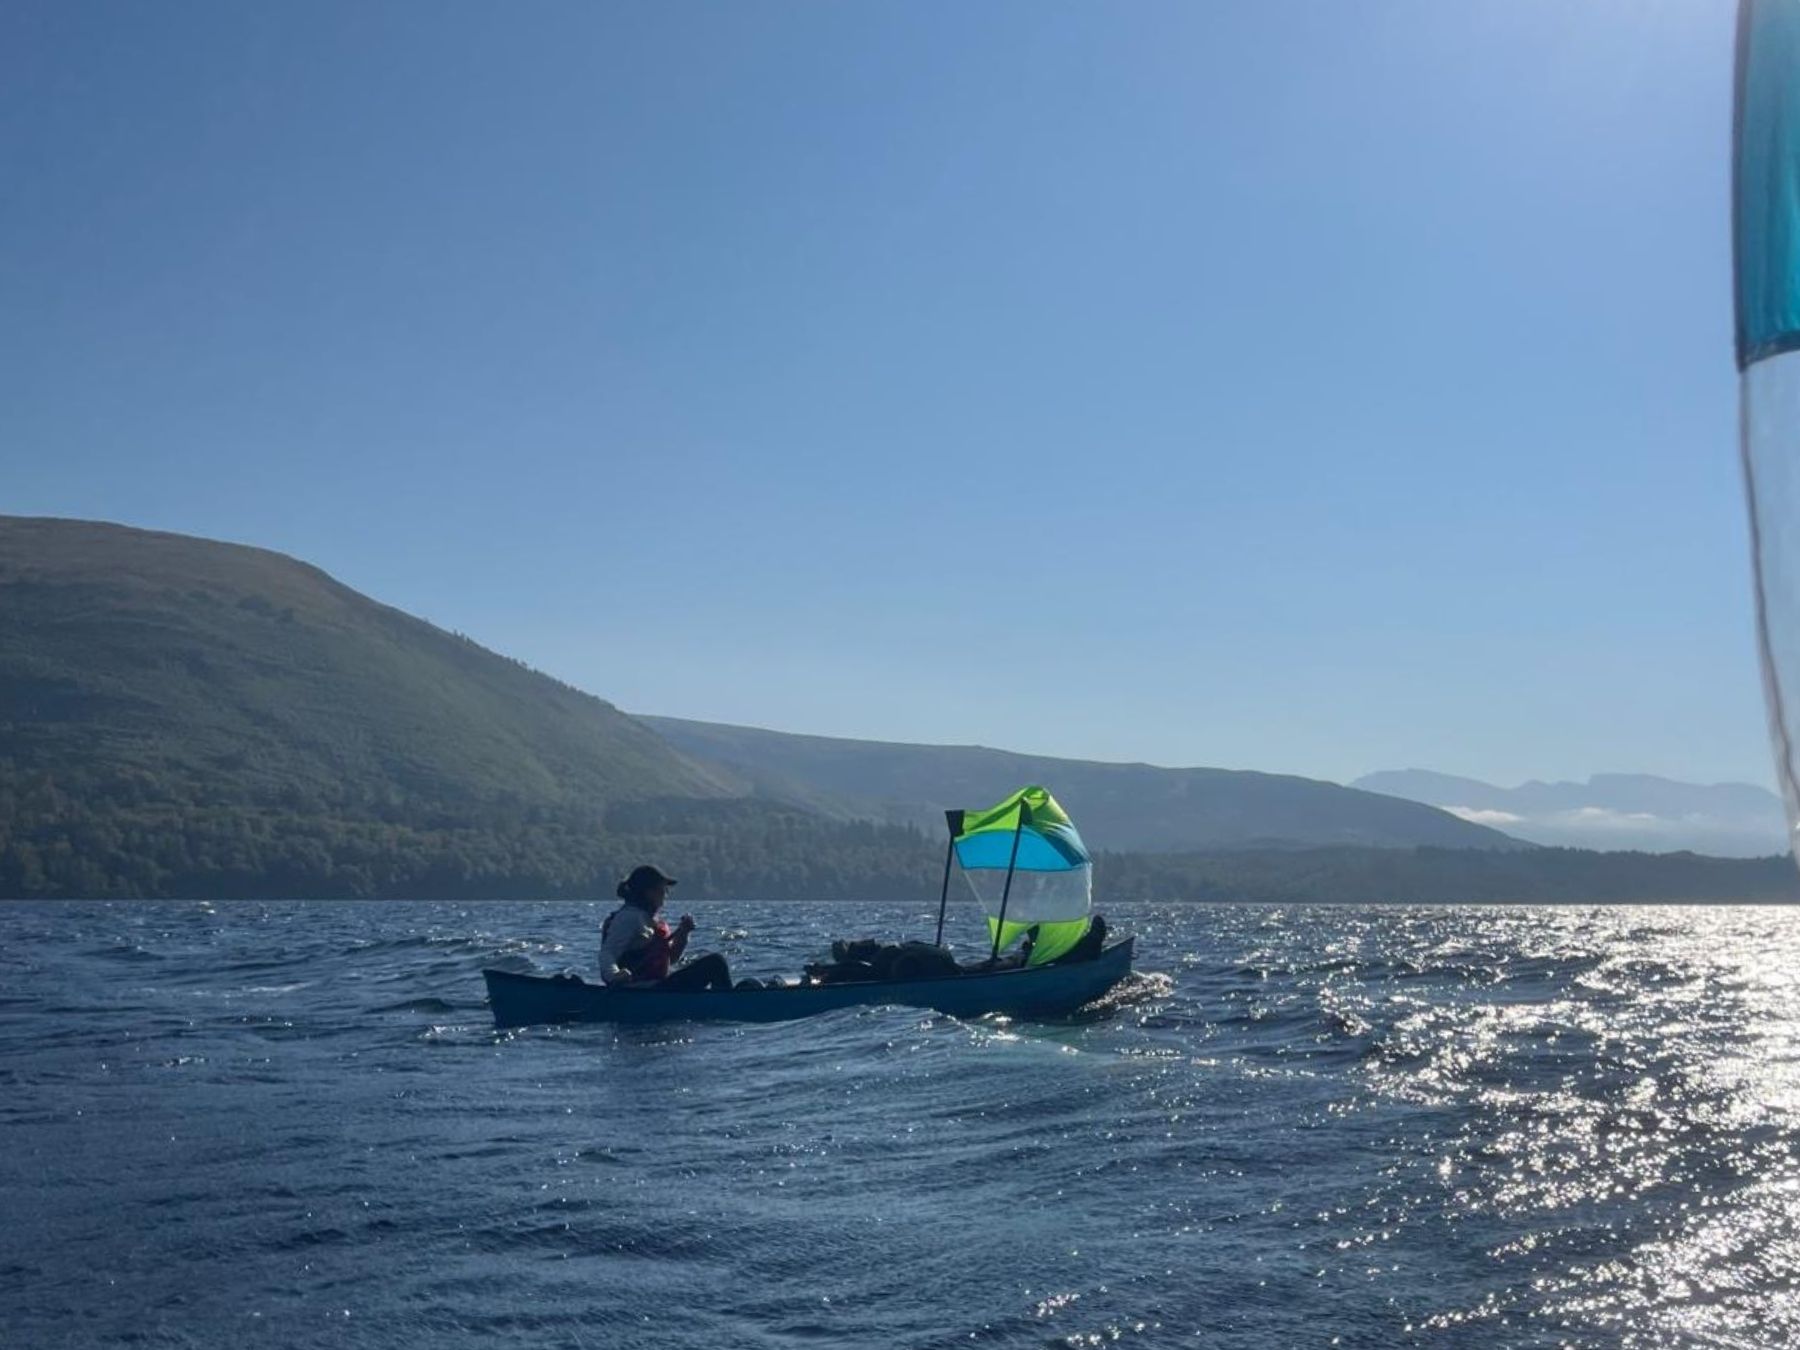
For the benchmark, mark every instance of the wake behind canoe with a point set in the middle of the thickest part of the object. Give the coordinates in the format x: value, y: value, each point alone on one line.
x: 1049, y: 990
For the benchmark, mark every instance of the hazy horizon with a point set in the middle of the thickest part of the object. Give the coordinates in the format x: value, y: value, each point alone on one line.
x: 1582, y: 780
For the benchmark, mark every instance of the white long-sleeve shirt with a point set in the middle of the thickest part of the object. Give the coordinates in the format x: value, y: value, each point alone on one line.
x: 627, y: 929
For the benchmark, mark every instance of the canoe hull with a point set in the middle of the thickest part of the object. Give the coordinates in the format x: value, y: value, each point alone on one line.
x: 538, y: 1000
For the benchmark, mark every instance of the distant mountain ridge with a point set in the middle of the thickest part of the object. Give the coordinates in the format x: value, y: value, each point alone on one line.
x: 1609, y: 811
x: 1126, y: 807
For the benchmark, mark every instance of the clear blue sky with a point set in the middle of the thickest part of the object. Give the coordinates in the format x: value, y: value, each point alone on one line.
x: 1314, y: 387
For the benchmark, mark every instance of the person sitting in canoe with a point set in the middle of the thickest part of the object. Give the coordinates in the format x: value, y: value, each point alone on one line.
x: 637, y: 949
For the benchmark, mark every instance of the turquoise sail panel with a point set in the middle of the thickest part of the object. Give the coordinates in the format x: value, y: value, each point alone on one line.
x: 1766, y: 180
x: 1041, y: 849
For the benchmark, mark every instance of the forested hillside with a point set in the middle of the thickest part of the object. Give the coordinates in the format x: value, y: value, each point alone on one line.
x: 179, y: 716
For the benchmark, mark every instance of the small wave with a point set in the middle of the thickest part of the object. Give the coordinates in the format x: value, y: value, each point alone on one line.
x: 1137, y: 987
x: 449, y: 944
x: 458, y: 1034
x: 1141, y: 986
x: 416, y: 1005
x: 129, y: 953
x: 672, y: 1242
x: 251, y: 964
x: 312, y: 1237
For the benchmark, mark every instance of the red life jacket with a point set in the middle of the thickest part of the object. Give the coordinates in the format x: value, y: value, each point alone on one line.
x: 650, y: 961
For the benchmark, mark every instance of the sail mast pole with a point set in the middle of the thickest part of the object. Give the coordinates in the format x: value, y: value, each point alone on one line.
x: 1012, y: 864
x: 954, y: 820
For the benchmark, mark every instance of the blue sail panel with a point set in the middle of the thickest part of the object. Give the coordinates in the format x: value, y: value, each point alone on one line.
x: 1036, y: 853
x: 1766, y: 180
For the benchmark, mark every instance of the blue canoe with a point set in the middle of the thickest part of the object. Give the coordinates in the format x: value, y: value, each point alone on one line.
x: 534, y: 1000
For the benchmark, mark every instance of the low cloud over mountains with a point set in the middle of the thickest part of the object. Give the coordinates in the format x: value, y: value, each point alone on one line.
x: 1609, y: 811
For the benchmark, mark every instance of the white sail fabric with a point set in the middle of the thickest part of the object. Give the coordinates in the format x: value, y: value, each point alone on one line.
x: 1771, y: 454
x: 1037, y: 897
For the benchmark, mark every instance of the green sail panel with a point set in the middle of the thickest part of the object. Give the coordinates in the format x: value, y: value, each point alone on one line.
x: 1052, y: 940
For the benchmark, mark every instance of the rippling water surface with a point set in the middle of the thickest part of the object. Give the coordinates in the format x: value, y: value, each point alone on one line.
x: 293, y: 1125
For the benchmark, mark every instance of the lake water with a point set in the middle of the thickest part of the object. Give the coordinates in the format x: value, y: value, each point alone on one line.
x: 293, y: 1125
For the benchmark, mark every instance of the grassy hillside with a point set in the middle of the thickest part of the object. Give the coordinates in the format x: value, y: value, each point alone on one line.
x: 1135, y: 807
x: 183, y: 717
x: 204, y: 669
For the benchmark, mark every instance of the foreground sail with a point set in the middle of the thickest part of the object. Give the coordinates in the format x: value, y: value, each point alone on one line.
x: 1766, y: 239
x: 1028, y: 868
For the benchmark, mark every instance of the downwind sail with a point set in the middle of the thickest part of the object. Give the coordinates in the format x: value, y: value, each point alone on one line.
x: 1029, y: 838
x: 1766, y: 253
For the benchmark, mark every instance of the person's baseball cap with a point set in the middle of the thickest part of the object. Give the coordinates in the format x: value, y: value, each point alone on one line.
x: 644, y: 876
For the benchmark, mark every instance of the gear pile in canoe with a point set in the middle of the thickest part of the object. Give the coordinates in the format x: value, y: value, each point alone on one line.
x: 1029, y: 871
